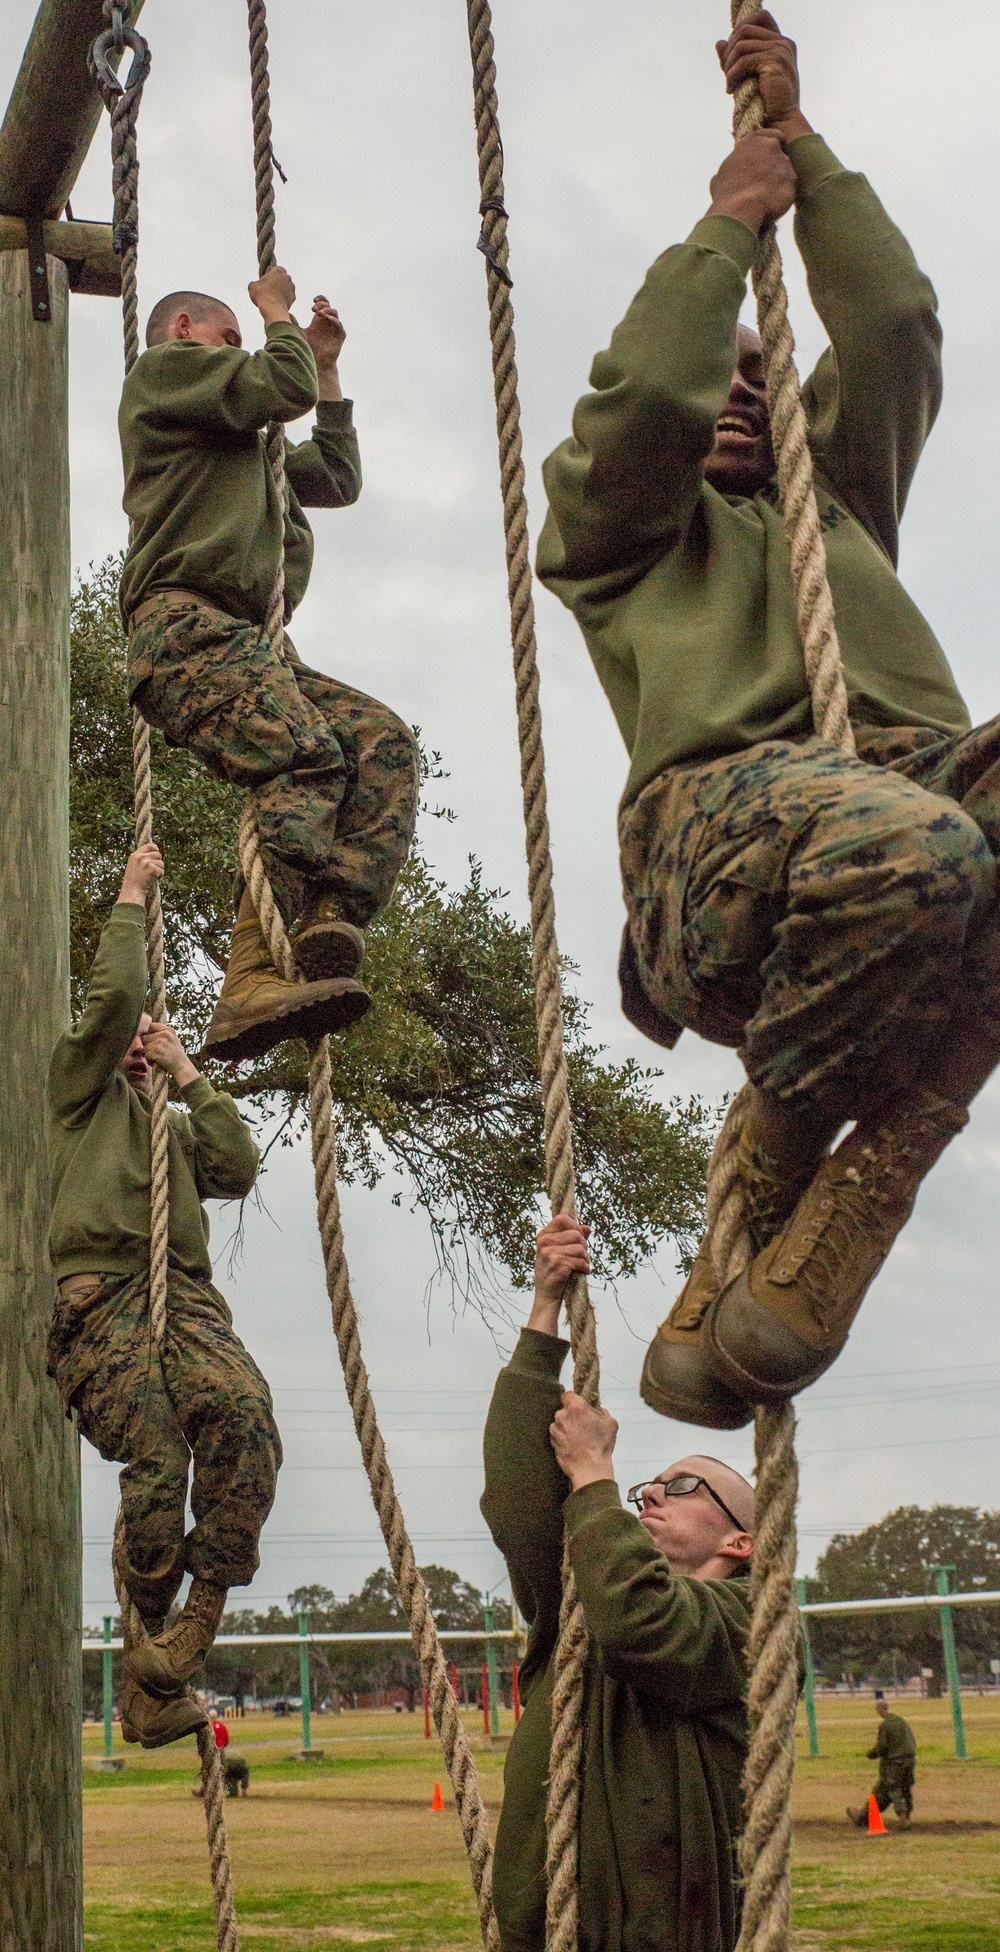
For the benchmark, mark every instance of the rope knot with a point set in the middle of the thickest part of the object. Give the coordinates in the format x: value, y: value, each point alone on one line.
x: 485, y: 243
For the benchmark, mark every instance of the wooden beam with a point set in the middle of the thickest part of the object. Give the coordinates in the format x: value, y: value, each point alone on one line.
x: 40, y: 1683
x: 53, y: 111
x: 85, y: 249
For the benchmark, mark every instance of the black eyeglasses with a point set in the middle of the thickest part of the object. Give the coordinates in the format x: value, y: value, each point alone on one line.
x: 680, y: 1487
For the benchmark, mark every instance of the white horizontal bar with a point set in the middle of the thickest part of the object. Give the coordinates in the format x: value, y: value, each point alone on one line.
x: 890, y: 1606
x: 341, y: 1639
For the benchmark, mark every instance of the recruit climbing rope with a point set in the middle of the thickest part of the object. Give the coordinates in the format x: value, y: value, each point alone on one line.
x: 563, y: 1810
x: 443, y: 1702
x: 765, y: 1846
x: 122, y: 103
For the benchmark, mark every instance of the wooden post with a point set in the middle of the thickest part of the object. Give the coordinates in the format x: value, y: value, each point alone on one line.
x: 40, y: 1606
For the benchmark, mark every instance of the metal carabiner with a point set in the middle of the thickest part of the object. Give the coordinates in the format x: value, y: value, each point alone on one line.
x: 115, y: 39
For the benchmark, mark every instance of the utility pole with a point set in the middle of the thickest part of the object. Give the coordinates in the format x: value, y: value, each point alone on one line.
x: 44, y: 137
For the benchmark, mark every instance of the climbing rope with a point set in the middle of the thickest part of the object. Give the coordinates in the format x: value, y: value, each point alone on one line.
x: 443, y: 1702
x: 765, y: 1845
x: 122, y: 103
x: 571, y: 1654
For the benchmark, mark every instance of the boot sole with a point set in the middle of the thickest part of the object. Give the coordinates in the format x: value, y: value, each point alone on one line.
x: 153, y: 1677
x: 718, y: 1409
x: 188, y: 1724
x: 726, y: 1366
x: 347, y: 1003
x: 324, y: 953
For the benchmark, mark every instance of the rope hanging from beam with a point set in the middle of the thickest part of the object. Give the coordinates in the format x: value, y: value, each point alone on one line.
x: 444, y: 1705
x: 563, y: 1811
x: 122, y: 104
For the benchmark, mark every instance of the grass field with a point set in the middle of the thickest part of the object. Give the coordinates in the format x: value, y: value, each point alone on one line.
x: 347, y: 1850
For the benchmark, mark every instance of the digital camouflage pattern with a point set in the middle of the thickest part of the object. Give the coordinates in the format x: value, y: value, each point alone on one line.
x: 201, y: 1397
x: 815, y: 910
x: 334, y: 773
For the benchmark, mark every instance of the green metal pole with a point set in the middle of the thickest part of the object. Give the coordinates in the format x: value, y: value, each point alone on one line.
x: 106, y: 1659
x: 304, y: 1682
x: 492, y: 1676
x: 810, y: 1689
x: 951, y: 1660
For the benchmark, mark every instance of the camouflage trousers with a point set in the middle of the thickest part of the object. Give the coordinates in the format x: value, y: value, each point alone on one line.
x: 333, y: 773
x: 200, y: 1397
x: 825, y: 915
x: 895, y: 1786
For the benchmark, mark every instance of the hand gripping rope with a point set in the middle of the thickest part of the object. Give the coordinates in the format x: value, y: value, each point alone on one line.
x: 122, y: 104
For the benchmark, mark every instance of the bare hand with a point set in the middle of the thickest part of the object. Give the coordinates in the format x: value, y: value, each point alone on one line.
x: 273, y: 294
x: 325, y: 334
x: 756, y: 183
x: 757, y: 49
x: 561, y: 1252
x: 583, y: 1439
x: 163, y: 1048
x: 143, y: 867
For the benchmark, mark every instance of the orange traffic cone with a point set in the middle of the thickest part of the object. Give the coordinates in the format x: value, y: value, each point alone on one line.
x: 876, y: 1827
x: 437, y: 1800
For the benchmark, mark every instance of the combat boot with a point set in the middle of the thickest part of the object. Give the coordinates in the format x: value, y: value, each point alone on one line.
x: 325, y: 944
x: 154, y: 1723
x: 163, y: 1665
x: 780, y: 1325
x: 677, y: 1376
x: 257, y: 1008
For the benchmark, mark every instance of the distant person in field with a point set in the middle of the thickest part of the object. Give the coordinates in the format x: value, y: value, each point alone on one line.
x: 333, y: 773
x: 896, y: 1753
x: 833, y: 918
x: 664, y: 1590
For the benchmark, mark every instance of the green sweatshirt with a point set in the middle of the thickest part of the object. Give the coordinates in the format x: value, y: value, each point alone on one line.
x: 198, y: 487
x: 896, y: 1741
x: 99, y: 1131
x: 684, y: 595
x: 664, y: 1717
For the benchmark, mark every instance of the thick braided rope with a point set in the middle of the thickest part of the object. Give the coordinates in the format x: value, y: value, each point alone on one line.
x: 567, y: 1700
x: 123, y: 108
x: 765, y: 1845
x: 427, y: 1647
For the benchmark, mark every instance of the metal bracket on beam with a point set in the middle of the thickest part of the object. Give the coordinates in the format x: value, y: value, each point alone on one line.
x: 38, y: 271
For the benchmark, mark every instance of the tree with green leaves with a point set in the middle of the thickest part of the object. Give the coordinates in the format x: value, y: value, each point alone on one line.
x: 896, y: 1557
x: 438, y: 1085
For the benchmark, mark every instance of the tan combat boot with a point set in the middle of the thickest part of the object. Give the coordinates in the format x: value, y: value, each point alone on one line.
x: 325, y: 944
x: 154, y: 1723
x: 779, y: 1326
x: 257, y: 1008
x: 677, y: 1375
x: 163, y: 1665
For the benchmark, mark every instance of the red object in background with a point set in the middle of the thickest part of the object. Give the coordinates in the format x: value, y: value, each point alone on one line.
x: 427, y: 1715
x: 515, y: 1692
x: 221, y: 1733
x: 486, y: 1699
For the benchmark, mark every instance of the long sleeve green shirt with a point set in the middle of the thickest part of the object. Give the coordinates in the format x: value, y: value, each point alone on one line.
x: 685, y: 595
x: 198, y: 486
x: 664, y: 1716
x: 99, y: 1131
x: 895, y: 1741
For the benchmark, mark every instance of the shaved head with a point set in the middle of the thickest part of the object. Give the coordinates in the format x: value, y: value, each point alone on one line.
x: 738, y: 1494
x: 199, y: 307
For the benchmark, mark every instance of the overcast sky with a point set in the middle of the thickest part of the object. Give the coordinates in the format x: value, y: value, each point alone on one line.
x: 611, y: 133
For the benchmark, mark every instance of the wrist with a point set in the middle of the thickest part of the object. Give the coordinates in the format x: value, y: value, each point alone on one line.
x: 329, y: 383
x: 273, y: 314
x: 595, y: 1471
x: 746, y: 210
x: 544, y: 1317
x: 791, y: 125
x: 133, y: 897
x: 184, y: 1072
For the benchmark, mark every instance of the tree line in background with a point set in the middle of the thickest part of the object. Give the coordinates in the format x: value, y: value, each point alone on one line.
x: 439, y: 1084
x: 888, y: 1560
x: 895, y: 1557
x: 338, y: 1673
